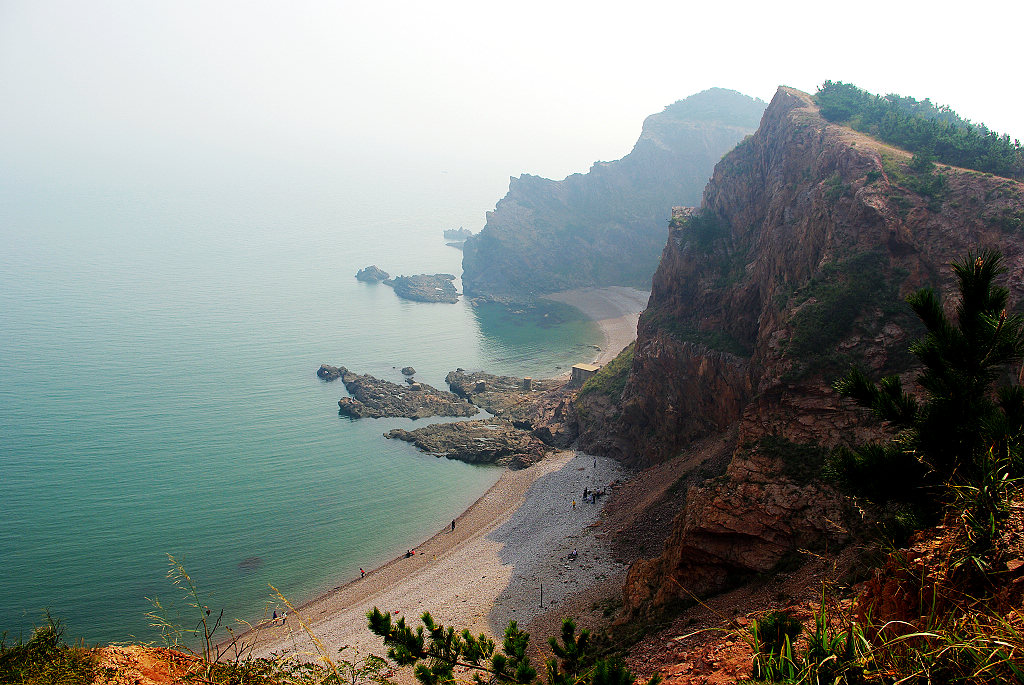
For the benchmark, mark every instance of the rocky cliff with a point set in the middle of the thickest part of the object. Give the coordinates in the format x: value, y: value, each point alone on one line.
x: 795, y: 265
x: 605, y: 227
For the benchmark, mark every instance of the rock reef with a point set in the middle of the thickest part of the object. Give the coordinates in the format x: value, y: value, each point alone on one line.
x: 488, y: 441
x: 505, y: 396
x: 425, y: 288
x: 374, y: 398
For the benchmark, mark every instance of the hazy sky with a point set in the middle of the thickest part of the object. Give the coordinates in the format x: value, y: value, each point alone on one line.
x: 541, y: 87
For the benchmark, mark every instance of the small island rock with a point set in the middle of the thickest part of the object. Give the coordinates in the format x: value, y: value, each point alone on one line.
x: 425, y: 287
x: 372, y: 274
x: 372, y: 397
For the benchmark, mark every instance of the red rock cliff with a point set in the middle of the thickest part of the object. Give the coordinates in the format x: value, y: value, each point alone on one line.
x: 795, y: 266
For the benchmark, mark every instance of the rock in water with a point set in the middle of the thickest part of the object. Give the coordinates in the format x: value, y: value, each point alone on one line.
x: 374, y: 398
x: 328, y: 372
x: 372, y: 274
x: 425, y: 287
x: 408, y: 371
x: 477, y: 442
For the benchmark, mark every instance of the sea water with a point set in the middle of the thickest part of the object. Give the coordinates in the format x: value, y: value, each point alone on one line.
x: 158, y: 391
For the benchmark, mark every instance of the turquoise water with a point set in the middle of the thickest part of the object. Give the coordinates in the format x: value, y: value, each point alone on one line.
x: 158, y: 391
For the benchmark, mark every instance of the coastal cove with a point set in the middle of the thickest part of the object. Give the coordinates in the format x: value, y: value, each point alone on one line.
x: 160, y: 391
x: 490, y: 566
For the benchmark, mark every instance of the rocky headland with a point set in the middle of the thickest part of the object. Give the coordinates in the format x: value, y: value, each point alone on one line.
x: 425, y: 287
x: 605, y: 227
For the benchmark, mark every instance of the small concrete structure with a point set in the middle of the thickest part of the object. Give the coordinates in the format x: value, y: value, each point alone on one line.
x: 580, y: 374
x: 528, y: 383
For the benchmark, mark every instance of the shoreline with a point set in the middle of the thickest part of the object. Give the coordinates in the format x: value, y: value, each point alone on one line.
x: 615, y: 309
x: 513, y: 540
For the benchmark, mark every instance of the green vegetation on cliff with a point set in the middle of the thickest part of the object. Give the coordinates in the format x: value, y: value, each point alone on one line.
x: 610, y: 380
x: 923, y: 128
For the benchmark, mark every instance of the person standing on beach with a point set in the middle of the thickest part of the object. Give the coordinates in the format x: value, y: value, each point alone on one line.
x: 362, y: 573
x: 453, y: 524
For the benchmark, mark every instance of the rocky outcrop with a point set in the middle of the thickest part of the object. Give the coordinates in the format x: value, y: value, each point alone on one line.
x: 505, y: 396
x: 425, y: 288
x: 459, y: 234
x: 328, y: 373
x: 605, y: 227
x: 372, y: 274
x: 795, y: 265
x: 375, y: 398
x: 490, y: 441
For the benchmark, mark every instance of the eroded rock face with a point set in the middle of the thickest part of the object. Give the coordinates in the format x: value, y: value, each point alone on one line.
x: 796, y: 266
x: 375, y: 398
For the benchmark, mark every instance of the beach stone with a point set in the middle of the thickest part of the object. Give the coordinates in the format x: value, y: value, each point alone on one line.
x: 408, y: 371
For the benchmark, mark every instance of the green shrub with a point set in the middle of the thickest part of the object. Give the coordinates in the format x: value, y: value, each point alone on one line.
x: 45, y: 659
x: 922, y: 127
x: 610, y: 380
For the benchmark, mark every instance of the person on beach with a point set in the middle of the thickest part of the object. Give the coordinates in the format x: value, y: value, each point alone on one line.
x: 362, y: 573
x: 453, y: 524
x: 574, y: 504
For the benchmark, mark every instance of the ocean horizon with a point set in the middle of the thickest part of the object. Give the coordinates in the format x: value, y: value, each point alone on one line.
x: 159, y: 392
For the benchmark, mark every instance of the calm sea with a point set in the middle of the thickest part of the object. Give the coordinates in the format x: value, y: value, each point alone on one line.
x: 158, y: 391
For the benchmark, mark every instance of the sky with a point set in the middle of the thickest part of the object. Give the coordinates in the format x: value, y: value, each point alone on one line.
x: 132, y: 87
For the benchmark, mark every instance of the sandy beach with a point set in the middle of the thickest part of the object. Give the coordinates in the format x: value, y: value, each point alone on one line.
x: 509, y: 547
x: 616, y: 309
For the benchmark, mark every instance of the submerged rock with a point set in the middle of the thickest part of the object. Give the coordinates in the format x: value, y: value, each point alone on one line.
x: 375, y: 398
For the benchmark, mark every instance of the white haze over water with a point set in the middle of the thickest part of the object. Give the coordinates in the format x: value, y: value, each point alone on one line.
x: 104, y: 91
